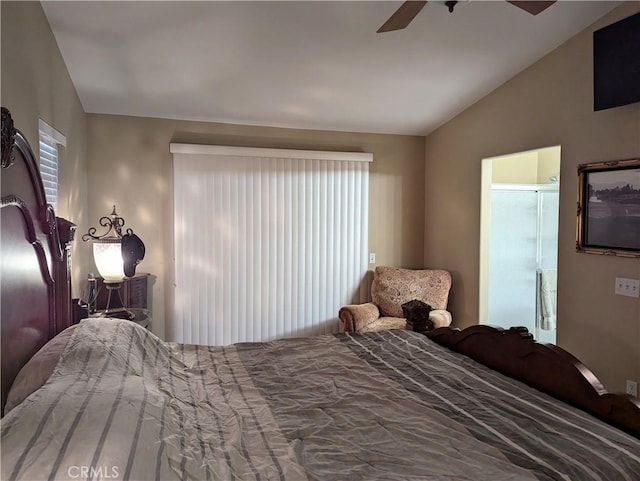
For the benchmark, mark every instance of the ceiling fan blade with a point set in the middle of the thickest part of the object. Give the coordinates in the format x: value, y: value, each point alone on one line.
x: 534, y: 8
x: 403, y: 16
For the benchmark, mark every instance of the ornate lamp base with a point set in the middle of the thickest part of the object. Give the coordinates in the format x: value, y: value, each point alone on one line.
x: 115, y: 306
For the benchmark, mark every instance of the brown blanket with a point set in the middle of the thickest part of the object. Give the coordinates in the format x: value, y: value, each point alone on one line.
x: 122, y: 404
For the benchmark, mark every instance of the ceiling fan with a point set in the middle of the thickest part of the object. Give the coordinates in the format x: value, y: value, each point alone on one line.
x: 408, y: 10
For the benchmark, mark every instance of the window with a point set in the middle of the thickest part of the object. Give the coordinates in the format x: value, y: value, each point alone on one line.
x: 50, y: 141
x: 269, y: 243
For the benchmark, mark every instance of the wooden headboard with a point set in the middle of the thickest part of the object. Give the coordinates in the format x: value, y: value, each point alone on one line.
x: 35, y: 265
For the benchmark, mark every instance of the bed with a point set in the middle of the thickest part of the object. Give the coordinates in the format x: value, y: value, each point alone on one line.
x: 107, y: 399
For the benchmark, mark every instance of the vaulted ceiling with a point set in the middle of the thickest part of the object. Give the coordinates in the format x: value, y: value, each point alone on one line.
x: 303, y: 64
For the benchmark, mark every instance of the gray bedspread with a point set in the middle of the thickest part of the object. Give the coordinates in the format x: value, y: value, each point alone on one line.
x: 121, y: 404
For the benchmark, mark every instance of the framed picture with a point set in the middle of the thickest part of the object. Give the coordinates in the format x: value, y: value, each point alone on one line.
x: 609, y: 208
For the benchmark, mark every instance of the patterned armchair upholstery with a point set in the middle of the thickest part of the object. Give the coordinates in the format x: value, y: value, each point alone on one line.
x: 392, y: 287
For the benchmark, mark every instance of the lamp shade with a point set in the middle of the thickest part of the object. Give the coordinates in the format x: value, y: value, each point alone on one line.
x: 116, y: 255
x: 107, y: 255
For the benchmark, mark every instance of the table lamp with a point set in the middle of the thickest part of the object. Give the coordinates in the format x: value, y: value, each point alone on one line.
x: 116, y: 257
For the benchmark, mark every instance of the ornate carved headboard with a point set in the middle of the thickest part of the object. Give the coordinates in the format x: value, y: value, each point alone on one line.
x: 34, y: 266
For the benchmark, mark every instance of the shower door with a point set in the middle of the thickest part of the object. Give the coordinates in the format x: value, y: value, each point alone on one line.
x: 524, y: 233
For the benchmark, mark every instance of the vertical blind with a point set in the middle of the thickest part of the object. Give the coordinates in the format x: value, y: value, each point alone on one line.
x: 268, y: 243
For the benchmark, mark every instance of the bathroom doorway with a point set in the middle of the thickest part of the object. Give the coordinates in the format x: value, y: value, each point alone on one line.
x: 519, y: 241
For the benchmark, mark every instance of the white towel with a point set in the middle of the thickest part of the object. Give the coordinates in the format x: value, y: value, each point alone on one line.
x: 547, y: 298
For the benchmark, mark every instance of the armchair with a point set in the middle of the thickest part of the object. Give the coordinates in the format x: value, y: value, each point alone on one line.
x: 392, y: 287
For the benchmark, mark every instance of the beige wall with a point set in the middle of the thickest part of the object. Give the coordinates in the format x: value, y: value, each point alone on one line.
x: 130, y: 165
x: 521, y: 168
x: 36, y: 85
x: 549, y: 165
x: 533, y: 167
x: 551, y: 103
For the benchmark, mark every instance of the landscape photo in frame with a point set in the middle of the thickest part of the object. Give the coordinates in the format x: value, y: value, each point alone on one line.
x: 609, y: 208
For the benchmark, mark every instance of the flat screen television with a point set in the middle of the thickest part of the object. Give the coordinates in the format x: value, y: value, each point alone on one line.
x: 616, y: 64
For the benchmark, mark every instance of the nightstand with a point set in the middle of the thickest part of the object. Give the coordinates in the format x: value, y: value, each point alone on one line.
x: 141, y: 317
x: 133, y: 292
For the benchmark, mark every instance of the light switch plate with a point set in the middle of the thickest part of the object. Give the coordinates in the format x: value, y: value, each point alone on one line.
x: 632, y: 388
x: 627, y: 287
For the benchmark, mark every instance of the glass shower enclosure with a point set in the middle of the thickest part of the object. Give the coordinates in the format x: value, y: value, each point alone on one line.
x: 523, y: 258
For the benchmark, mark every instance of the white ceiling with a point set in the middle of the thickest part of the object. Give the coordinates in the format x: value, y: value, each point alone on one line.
x: 303, y: 64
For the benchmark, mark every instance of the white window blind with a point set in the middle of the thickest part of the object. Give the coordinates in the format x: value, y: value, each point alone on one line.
x: 268, y: 243
x: 50, y: 139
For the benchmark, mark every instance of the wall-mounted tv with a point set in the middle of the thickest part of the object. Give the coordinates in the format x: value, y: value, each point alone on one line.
x: 616, y: 64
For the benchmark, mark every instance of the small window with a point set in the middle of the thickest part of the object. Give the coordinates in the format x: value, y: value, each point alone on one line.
x: 50, y: 141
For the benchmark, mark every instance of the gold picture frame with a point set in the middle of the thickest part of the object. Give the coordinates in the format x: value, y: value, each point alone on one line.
x: 608, y: 214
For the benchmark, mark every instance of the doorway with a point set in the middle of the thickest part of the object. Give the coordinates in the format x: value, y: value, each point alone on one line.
x: 519, y: 241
